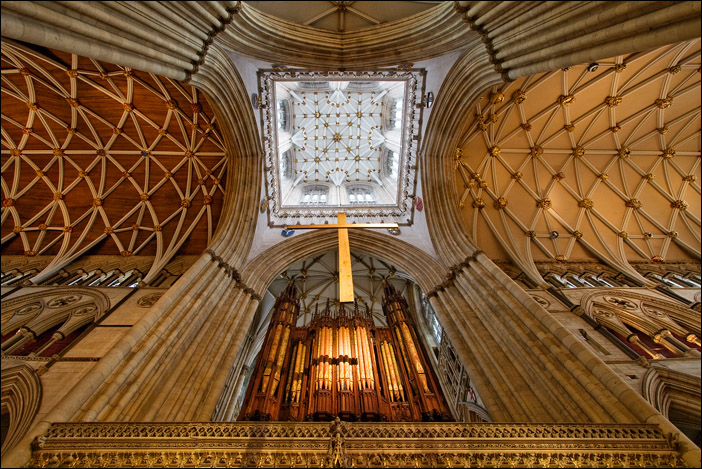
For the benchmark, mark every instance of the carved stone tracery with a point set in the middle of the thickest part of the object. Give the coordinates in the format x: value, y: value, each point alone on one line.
x: 345, y: 444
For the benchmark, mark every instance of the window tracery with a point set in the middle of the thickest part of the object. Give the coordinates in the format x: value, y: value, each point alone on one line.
x: 45, y: 323
x: 315, y: 195
x: 650, y: 326
x: 360, y: 195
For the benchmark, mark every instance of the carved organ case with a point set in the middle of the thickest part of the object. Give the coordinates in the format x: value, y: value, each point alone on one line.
x: 342, y: 364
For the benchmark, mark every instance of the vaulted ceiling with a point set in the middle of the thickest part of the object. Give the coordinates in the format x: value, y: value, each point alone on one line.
x: 317, y: 281
x: 597, y: 161
x: 343, y: 15
x: 572, y: 164
x: 336, y: 135
x: 101, y: 159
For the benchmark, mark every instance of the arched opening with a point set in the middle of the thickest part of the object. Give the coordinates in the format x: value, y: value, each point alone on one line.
x: 308, y: 357
x: 21, y: 397
x: 676, y: 394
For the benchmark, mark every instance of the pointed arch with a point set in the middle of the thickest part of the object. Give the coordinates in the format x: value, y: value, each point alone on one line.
x: 21, y: 396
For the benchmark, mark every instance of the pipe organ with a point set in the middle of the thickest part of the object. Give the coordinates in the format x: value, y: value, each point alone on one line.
x: 342, y: 364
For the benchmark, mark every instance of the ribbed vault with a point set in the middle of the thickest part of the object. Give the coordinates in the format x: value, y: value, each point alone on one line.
x: 342, y: 16
x: 101, y: 159
x: 596, y: 161
x: 261, y: 271
x: 499, y: 331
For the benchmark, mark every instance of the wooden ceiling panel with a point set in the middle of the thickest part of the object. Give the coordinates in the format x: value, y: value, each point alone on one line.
x: 131, y: 162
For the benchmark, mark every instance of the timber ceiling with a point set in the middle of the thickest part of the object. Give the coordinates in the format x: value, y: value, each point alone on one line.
x: 100, y: 159
x: 583, y: 165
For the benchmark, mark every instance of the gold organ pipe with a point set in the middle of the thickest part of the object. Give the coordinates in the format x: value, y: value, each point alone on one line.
x: 327, y: 342
x: 319, y: 343
x: 403, y: 350
x: 355, y: 370
x: 349, y: 377
x: 271, y: 357
x: 367, y: 363
x: 415, y: 357
x: 359, y: 357
x: 401, y: 344
x: 333, y: 347
x: 397, y: 372
x: 320, y: 361
x: 295, y: 374
x: 393, y: 369
x: 333, y: 343
x: 298, y: 374
x: 360, y: 368
x: 339, y: 376
x: 281, y: 356
x: 347, y: 342
x: 322, y: 347
x: 368, y: 350
x: 318, y: 364
x: 276, y: 340
x: 342, y: 341
x: 339, y: 342
x: 347, y: 338
x: 412, y: 350
x: 341, y: 380
x: 391, y: 391
x: 343, y: 352
x: 330, y: 342
x: 301, y: 373
x: 327, y: 363
x: 291, y: 377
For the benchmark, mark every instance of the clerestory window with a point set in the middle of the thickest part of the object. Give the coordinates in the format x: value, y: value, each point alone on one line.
x: 361, y: 195
x: 315, y: 195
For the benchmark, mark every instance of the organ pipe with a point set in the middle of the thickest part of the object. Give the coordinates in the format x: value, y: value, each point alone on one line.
x: 341, y: 363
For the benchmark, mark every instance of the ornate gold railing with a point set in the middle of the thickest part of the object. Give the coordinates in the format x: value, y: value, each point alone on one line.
x: 342, y: 444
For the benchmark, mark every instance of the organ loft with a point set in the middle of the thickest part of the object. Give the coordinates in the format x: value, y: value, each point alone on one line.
x: 342, y: 364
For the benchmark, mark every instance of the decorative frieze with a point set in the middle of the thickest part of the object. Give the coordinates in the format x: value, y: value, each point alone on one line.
x: 344, y: 444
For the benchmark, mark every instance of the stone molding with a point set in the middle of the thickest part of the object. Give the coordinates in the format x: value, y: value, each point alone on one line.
x: 231, y: 271
x: 423, y: 36
x: 667, y: 388
x: 21, y: 397
x: 343, y: 444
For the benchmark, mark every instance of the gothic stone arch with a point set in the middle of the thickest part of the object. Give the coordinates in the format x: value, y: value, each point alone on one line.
x: 36, y: 312
x: 21, y: 396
